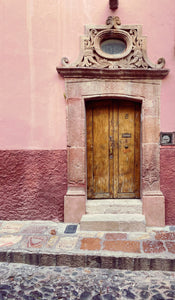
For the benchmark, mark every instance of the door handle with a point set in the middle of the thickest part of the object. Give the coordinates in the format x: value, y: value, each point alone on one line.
x: 111, y: 150
x: 126, y: 146
x: 110, y: 147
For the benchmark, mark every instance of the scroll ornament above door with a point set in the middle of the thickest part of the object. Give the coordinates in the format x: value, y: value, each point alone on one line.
x: 133, y: 55
x: 118, y: 50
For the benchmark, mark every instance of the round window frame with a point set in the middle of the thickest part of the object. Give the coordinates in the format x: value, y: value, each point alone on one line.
x: 113, y: 34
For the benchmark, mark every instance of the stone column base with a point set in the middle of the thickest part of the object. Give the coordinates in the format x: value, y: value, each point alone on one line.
x: 74, y: 205
x: 154, y: 209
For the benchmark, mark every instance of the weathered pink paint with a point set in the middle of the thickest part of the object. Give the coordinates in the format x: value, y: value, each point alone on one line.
x: 36, y: 34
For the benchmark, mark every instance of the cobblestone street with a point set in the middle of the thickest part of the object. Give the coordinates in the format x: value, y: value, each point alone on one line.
x: 20, y: 281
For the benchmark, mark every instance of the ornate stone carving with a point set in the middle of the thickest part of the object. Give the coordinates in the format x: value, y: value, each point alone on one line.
x: 133, y: 57
x: 113, y: 22
x: 150, y: 176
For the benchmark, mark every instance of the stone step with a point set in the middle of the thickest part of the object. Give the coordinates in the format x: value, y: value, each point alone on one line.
x: 114, y: 206
x: 112, y: 222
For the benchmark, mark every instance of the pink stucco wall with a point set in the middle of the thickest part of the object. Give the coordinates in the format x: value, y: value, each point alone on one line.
x: 36, y: 34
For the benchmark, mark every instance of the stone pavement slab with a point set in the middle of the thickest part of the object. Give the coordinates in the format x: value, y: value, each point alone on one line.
x: 47, y: 243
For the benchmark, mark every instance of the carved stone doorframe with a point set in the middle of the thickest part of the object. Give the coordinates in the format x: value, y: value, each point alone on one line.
x: 97, y: 76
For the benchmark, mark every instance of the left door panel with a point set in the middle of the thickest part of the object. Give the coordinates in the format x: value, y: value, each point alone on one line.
x: 99, y: 149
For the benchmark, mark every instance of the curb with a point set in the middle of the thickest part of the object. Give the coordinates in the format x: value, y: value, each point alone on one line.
x: 90, y: 261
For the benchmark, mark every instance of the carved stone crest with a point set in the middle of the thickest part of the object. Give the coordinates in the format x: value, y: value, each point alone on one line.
x: 133, y: 57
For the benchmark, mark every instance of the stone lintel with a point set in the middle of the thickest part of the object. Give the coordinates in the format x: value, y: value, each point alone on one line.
x: 75, y: 72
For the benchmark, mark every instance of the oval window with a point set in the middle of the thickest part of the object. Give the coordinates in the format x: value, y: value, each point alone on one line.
x: 113, y: 46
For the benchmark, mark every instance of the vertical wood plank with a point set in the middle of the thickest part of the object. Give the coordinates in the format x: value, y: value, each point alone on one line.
x: 90, y: 188
x: 101, y: 148
x: 111, y: 149
x: 126, y: 148
x: 115, y: 150
x: 137, y: 149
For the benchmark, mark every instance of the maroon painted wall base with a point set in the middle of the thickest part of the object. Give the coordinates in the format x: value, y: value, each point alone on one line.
x: 167, y: 181
x: 32, y: 184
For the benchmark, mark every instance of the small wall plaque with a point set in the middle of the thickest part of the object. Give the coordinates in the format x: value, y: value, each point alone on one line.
x: 166, y: 138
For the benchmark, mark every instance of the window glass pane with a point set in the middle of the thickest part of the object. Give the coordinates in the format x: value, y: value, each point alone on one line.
x: 113, y: 46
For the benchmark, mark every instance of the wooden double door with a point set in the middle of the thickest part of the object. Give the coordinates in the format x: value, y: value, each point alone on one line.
x: 113, y: 149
